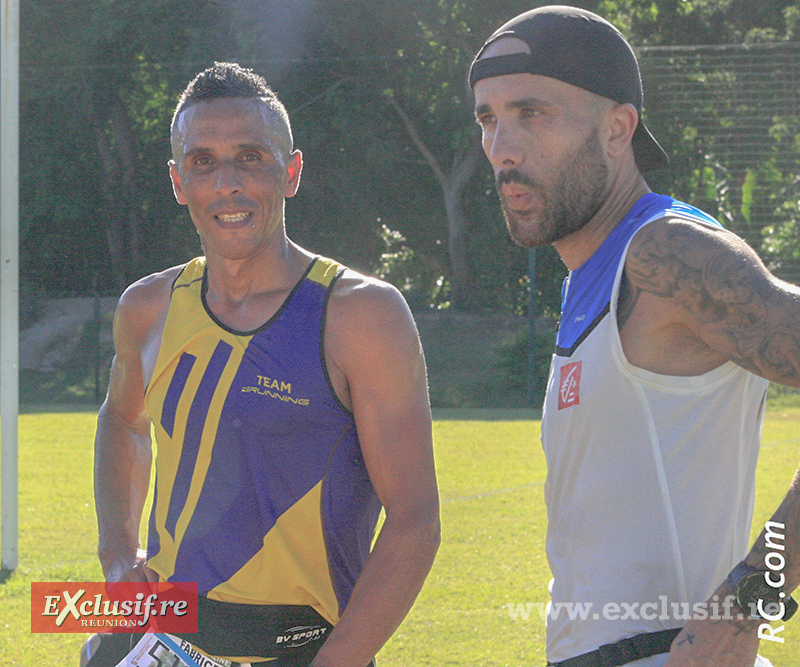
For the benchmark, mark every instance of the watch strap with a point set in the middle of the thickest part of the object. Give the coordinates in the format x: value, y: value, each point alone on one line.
x: 739, y: 571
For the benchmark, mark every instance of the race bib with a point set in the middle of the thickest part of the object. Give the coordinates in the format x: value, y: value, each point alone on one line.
x: 158, y: 649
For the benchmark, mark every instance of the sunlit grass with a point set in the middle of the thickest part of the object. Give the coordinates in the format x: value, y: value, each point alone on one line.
x: 491, y: 475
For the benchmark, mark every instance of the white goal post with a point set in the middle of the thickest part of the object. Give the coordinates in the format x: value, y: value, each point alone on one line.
x: 9, y: 280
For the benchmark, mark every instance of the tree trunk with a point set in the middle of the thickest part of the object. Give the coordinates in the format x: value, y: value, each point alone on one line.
x: 115, y: 143
x: 464, y: 167
x: 464, y: 164
x: 115, y: 210
x: 125, y: 141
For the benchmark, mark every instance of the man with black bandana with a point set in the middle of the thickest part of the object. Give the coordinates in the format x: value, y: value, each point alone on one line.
x: 671, y: 328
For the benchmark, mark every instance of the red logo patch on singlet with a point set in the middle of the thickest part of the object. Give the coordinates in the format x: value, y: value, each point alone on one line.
x: 569, y: 390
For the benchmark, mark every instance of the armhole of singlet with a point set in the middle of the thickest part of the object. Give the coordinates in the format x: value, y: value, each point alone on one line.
x: 172, y: 289
x: 641, y: 375
x: 322, y: 359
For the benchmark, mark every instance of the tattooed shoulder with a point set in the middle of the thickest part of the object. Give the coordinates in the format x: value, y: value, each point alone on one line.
x: 628, y: 297
x: 706, y: 269
x: 723, y: 291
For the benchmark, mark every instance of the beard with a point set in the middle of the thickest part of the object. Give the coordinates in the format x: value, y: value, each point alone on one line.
x: 576, y: 195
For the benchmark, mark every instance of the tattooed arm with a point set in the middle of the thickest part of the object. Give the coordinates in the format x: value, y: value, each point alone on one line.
x: 718, y: 298
x: 717, y: 642
x: 714, y: 300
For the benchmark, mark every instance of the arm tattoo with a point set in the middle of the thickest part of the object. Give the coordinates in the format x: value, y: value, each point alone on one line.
x: 736, y: 306
x: 743, y: 627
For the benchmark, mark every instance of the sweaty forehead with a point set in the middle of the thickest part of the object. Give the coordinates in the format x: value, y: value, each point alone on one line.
x: 524, y: 86
x: 224, y: 115
x: 229, y: 120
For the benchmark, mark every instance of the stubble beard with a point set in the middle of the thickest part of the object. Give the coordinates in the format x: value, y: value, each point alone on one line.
x: 576, y: 195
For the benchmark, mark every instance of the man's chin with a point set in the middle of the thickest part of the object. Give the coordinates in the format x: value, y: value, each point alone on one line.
x: 525, y: 229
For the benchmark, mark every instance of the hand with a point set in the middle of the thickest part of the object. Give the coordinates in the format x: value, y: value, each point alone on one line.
x: 724, y: 638
x: 122, y: 569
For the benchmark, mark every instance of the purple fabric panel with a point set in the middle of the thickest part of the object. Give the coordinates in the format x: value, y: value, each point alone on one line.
x: 176, y: 387
x: 350, y: 510
x: 194, y: 432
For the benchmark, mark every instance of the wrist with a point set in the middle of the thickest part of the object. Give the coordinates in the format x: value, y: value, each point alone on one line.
x: 116, y: 565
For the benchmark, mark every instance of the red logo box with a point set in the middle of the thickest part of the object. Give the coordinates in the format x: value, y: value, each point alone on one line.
x: 118, y: 607
x: 569, y: 390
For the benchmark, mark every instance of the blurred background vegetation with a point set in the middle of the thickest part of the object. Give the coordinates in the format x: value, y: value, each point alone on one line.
x: 394, y: 181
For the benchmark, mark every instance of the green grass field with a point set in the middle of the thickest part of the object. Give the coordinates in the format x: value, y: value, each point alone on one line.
x: 491, y: 475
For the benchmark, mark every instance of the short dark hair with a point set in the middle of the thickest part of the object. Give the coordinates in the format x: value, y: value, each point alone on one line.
x: 230, y: 81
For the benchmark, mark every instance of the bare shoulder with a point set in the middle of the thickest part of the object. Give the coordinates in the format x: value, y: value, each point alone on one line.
x: 140, y: 311
x: 142, y: 306
x: 369, y: 327
x: 366, y: 298
x: 715, y: 284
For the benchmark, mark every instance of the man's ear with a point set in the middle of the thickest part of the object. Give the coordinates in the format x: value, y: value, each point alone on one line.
x: 622, y: 122
x: 176, y: 182
x: 294, y: 166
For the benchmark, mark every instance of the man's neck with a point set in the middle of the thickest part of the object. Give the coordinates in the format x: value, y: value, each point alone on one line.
x: 239, y: 280
x: 576, y: 248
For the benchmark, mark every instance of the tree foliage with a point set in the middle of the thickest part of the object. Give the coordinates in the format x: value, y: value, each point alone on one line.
x: 393, y: 180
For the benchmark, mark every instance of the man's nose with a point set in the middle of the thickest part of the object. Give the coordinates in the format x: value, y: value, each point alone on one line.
x: 228, y: 179
x: 503, y: 147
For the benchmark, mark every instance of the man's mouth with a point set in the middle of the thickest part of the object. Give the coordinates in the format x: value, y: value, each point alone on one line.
x: 233, y: 219
x: 517, y: 197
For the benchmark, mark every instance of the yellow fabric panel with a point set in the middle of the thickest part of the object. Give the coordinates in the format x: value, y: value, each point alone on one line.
x: 185, y: 315
x: 302, y: 577
x: 207, y: 441
x: 324, y: 271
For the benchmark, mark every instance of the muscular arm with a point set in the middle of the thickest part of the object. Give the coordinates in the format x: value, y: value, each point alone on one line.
x: 712, y: 288
x: 373, y: 343
x: 123, y: 456
x: 714, y: 285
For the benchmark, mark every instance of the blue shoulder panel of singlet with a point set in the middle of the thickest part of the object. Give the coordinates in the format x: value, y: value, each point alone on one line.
x: 586, y: 292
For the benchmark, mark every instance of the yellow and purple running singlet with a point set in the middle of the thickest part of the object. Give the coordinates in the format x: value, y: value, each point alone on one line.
x: 262, y: 496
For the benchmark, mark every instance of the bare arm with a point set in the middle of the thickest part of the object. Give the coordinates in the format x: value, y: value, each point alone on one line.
x: 715, y: 285
x: 374, y: 344
x: 123, y: 455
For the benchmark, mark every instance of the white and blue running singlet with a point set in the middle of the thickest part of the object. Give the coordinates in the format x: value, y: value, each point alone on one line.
x: 651, y: 477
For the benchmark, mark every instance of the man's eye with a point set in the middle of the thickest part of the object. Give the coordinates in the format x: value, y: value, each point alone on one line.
x: 529, y: 113
x: 251, y: 157
x: 202, y: 160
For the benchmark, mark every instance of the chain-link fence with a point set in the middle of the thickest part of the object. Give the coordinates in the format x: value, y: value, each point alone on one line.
x: 730, y: 117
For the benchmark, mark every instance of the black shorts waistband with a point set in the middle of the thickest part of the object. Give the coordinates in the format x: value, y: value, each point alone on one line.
x: 291, y: 633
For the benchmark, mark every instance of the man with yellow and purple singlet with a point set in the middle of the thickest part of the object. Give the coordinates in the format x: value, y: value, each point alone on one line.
x: 288, y: 399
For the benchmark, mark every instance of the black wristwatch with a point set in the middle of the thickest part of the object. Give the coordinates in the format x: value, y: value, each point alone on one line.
x: 757, y: 598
